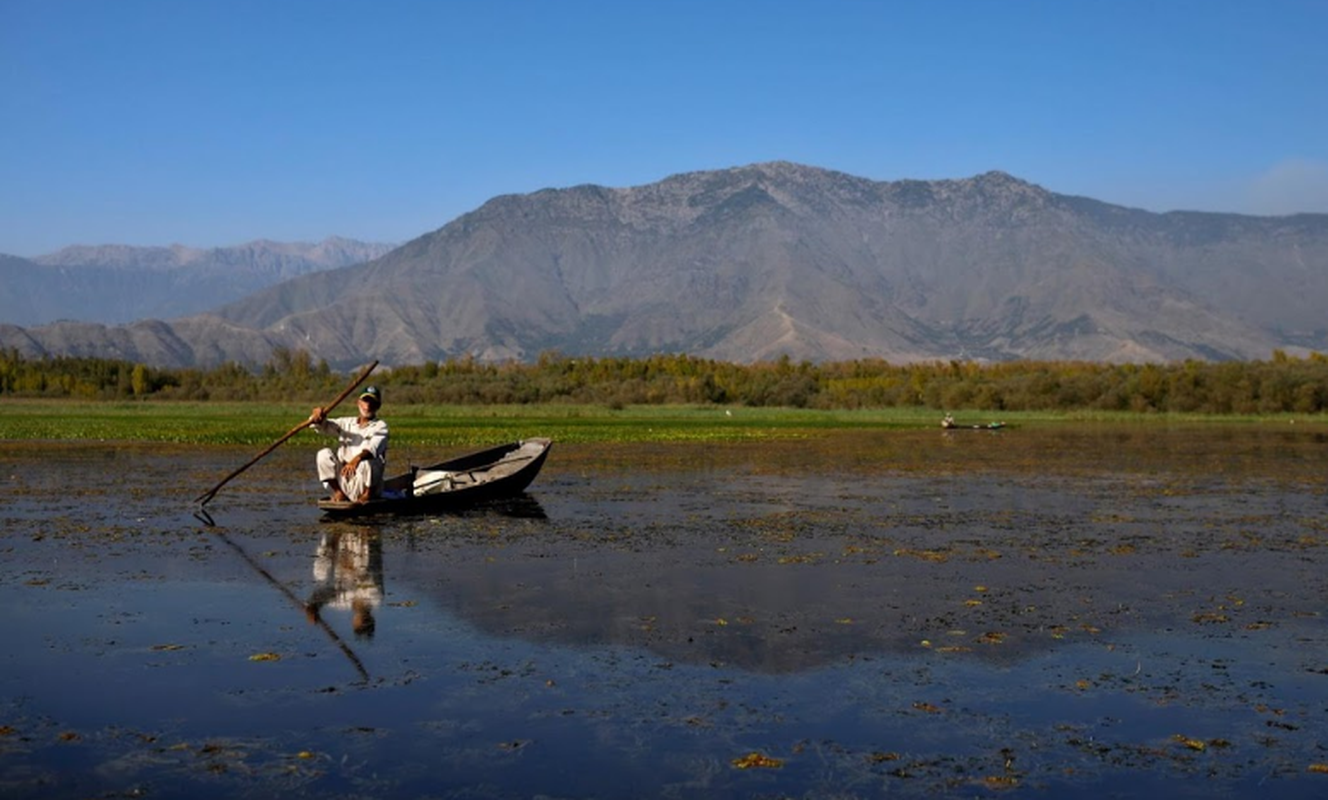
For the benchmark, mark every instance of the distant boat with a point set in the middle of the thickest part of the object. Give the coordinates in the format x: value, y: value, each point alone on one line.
x: 497, y: 473
x: 949, y: 424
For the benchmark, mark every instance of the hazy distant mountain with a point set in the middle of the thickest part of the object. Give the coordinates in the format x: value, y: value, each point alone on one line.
x: 118, y: 283
x: 755, y: 262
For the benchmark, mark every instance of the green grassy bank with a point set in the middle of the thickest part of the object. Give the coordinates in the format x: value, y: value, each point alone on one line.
x: 206, y: 423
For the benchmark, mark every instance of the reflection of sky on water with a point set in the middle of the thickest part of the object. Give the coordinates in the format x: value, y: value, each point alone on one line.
x: 592, y: 719
x: 645, y: 628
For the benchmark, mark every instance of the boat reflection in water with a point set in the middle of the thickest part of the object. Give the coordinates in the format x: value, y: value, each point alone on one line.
x: 521, y: 506
x: 348, y: 568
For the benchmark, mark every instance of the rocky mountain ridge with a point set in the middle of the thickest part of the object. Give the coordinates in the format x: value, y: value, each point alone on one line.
x: 111, y: 284
x: 755, y: 262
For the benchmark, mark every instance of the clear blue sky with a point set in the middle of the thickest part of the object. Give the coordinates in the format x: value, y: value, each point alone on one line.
x: 216, y: 122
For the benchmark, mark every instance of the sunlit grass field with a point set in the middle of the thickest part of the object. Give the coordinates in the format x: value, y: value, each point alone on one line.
x: 260, y: 423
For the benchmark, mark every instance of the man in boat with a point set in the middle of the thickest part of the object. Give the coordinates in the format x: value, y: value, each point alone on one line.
x: 354, y: 470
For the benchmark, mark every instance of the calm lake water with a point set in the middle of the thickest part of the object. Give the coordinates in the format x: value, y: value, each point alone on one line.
x: 1102, y: 611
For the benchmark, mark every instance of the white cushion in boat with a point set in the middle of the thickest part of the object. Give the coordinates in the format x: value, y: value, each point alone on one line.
x: 434, y: 480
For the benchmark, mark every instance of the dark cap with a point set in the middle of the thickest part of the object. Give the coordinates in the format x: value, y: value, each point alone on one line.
x: 372, y: 393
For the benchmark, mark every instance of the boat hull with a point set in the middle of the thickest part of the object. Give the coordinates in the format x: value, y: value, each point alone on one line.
x: 496, y: 473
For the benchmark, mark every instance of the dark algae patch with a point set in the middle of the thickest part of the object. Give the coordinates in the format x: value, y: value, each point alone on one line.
x: 1104, y: 611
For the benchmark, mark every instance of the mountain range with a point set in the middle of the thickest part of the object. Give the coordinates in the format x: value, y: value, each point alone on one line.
x: 113, y: 284
x: 776, y: 259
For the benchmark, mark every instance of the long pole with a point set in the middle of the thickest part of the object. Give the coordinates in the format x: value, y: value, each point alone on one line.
x: 203, y: 498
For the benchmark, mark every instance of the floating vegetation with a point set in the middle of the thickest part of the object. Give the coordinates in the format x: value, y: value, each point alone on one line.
x: 756, y: 760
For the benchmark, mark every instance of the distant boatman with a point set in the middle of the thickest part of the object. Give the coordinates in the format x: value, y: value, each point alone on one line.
x: 354, y: 470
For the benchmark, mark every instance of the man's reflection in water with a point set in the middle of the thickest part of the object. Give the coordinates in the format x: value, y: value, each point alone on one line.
x: 348, y: 566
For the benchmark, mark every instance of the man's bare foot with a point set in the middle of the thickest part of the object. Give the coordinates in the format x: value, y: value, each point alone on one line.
x: 338, y: 496
x: 362, y: 499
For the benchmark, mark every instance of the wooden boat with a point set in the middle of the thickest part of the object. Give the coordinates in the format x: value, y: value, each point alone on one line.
x: 493, y: 474
x: 949, y: 424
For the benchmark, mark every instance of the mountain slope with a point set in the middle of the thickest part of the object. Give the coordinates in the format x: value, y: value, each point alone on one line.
x: 116, y: 283
x: 780, y: 259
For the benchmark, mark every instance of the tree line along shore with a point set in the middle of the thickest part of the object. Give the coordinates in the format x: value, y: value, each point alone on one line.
x: 1281, y: 384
